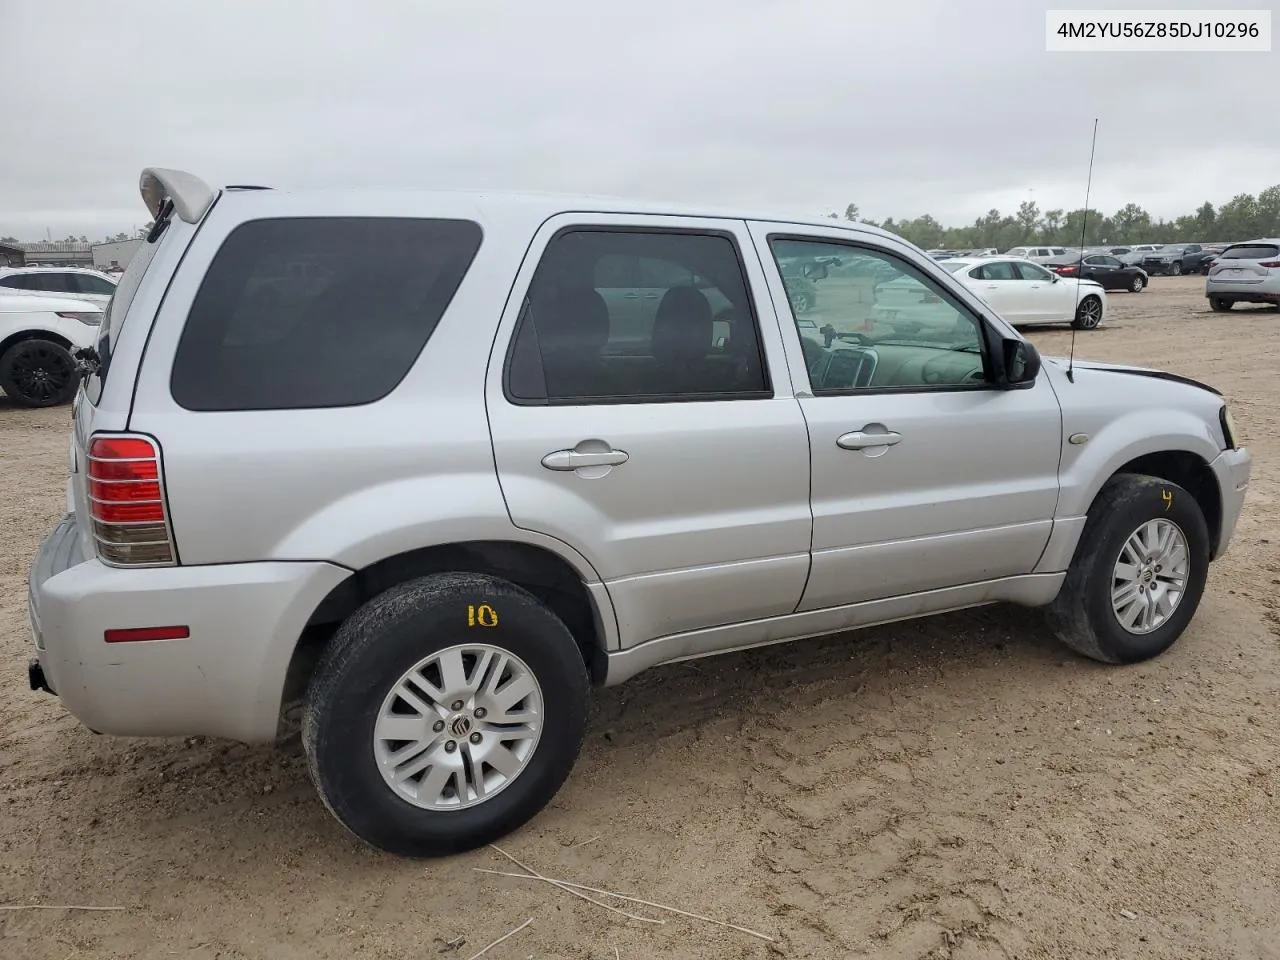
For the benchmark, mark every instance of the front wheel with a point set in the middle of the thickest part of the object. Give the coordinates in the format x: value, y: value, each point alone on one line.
x: 445, y: 713
x: 38, y: 373
x: 1175, y: 269
x: 1088, y: 314
x: 1138, y: 572
x: 1137, y: 284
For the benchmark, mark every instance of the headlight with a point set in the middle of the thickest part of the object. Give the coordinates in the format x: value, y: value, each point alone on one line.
x: 1228, y: 427
x: 92, y: 319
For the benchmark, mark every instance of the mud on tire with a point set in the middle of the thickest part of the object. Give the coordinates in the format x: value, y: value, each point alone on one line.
x: 1083, y: 615
x: 444, y: 628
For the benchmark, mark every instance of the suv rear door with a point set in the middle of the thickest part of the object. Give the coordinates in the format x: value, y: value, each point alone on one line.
x: 676, y: 462
x: 963, y: 490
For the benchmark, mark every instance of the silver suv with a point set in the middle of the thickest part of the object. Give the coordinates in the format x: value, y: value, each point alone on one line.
x: 416, y: 470
x: 1245, y: 273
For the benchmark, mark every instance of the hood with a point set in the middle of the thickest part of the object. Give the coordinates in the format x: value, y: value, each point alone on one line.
x: 1132, y: 371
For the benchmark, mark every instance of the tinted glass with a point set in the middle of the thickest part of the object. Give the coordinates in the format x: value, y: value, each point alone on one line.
x: 15, y: 282
x: 1029, y: 271
x: 88, y: 283
x: 892, y: 328
x: 1251, y: 251
x: 629, y: 316
x: 995, y: 271
x: 317, y: 312
x: 117, y: 309
x: 955, y: 266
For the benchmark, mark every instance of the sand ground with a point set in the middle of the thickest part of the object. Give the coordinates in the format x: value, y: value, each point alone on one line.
x: 958, y: 787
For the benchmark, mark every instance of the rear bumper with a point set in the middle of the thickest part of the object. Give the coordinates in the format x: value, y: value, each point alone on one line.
x: 224, y: 680
x: 1232, y: 468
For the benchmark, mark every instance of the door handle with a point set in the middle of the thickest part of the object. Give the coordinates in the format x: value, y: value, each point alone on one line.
x: 861, y: 441
x: 992, y: 286
x: 651, y: 296
x: 631, y: 296
x: 566, y: 460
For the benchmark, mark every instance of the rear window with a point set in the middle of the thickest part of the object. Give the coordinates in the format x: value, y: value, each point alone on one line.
x: 114, y: 313
x: 300, y: 313
x: 1251, y: 251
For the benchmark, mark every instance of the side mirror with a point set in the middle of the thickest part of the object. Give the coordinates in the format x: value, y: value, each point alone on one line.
x: 1056, y: 277
x: 1021, y: 364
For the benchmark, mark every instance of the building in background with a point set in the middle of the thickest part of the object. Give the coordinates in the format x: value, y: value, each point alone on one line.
x: 115, y: 254
x: 11, y: 255
x: 59, y: 253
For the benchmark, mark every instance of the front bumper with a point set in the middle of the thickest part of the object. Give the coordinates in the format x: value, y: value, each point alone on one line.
x: 225, y: 679
x: 1232, y: 469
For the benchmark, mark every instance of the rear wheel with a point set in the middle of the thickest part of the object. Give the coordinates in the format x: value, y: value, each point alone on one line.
x: 445, y: 713
x: 1088, y: 314
x: 1138, y: 573
x: 1137, y: 284
x: 38, y: 373
x: 1220, y: 304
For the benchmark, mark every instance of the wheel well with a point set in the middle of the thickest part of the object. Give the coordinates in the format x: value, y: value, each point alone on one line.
x: 544, y: 574
x: 18, y: 337
x: 1192, y: 474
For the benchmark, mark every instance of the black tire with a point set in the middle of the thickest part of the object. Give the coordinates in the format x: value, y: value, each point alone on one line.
x: 1088, y: 314
x: 1220, y: 304
x: 39, y: 373
x: 801, y: 301
x: 1081, y: 615
x: 1137, y: 285
x: 369, y: 654
x: 1175, y: 269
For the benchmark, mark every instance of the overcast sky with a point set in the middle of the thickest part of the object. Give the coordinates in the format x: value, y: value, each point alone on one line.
x: 904, y: 107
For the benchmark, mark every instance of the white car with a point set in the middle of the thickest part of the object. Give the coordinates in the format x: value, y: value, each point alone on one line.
x: 1037, y: 254
x: 1025, y: 293
x: 37, y: 338
x: 78, y: 282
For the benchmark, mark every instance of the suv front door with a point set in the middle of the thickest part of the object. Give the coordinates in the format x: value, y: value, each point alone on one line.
x: 664, y: 445
x: 963, y: 487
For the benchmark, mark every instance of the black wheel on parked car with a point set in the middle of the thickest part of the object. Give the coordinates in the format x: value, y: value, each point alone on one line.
x: 39, y: 373
x: 1137, y: 284
x: 1088, y: 314
x: 1138, y: 572
x: 1220, y: 304
x: 444, y: 713
x: 1175, y: 269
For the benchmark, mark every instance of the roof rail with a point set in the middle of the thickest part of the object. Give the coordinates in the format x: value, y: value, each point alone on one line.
x: 191, y: 196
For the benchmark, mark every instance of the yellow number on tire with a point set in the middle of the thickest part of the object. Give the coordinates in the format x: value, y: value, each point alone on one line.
x: 481, y: 616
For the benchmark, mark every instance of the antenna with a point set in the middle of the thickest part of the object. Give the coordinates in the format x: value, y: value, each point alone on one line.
x: 1084, y: 227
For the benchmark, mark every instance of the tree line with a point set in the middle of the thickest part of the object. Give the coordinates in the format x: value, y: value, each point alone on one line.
x: 72, y: 238
x: 1243, y: 217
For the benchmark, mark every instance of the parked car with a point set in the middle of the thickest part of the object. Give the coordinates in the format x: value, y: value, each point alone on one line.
x: 1037, y: 254
x: 37, y: 337
x: 1176, y: 259
x: 1027, y: 293
x: 78, y: 282
x: 1245, y: 273
x: 1107, y: 271
x: 426, y: 506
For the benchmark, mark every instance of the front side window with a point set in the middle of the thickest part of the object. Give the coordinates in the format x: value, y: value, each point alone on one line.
x: 893, y: 328
x: 298, y: 313
x: 633, y: 316
x: 1002, y: 270
x: 1029, y: 271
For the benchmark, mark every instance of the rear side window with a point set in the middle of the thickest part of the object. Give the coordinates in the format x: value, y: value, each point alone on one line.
x: 300, y: 313
x: 1251, y: 251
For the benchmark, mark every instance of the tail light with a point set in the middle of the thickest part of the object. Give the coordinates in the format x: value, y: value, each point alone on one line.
x: 126, y: 502
x: 1065, y: 270
x: 1270, y: 264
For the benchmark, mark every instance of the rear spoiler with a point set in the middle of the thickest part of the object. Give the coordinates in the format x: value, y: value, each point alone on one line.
x: 191, y: 196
